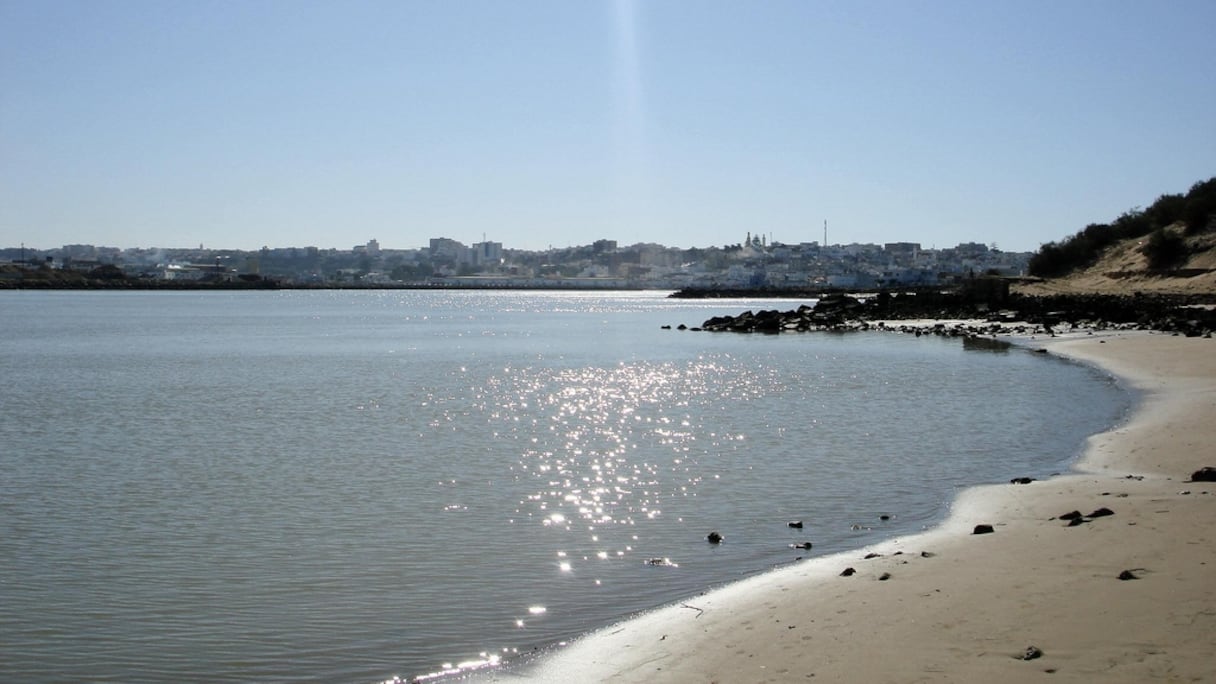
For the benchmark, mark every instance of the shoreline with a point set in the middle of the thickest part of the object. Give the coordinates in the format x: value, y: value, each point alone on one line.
x: 957, y: 606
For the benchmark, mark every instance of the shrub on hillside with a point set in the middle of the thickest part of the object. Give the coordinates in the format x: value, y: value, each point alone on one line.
x: 1055, y: 259
x: 1200, y: 205
x: 1048, y: 262
x: 1131, y: 224
x: 1164, y: 249
x: 1167, y: 210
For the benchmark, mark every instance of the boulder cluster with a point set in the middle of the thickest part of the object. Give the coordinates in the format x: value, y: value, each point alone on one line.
x: 1013, y: 314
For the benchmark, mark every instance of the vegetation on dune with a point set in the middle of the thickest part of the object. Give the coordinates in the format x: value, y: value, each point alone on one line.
x: 1165, y: 248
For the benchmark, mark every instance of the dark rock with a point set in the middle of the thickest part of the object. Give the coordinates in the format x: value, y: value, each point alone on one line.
x: 1021, y: 480
x: 1071, y: 515
x: 681, y: 327
x: 1127, y: 575
x: 872, y: 555
x: 927, y: 554
x: 1077, y: 521
x: 665, y: 327
x: 884, y: 517
x: 1031, y: 653
x: 1205, y: 474
x: 848, y: 572
x: 1101, y: 513
x: 884, y: 577
x: 796, y: 524
x: 983, y: 529
x: 1168, y: 313
x: 713, y: 537
x: 769, y: 322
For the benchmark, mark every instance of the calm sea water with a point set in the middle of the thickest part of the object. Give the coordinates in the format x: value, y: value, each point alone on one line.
x: 348, y: 486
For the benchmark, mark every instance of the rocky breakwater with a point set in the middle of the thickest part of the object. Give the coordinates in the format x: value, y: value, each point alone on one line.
x: 836, y: 312
x: 924, y: 312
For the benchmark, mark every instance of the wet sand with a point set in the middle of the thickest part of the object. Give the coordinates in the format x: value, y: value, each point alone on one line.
x: 961, y: 607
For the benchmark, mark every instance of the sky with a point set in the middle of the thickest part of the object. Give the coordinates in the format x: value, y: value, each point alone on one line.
x: 554, y: 123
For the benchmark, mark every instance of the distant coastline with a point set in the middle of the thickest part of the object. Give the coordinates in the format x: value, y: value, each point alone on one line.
x: 990, y: 299
x: 20, y: 278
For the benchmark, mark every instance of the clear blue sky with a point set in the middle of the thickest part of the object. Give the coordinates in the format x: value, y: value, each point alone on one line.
x: 234, y: 124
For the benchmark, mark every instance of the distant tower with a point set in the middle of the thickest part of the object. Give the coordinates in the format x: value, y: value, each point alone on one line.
x: 825, y: 232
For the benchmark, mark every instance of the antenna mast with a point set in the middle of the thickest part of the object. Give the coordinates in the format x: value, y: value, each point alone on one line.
x: 825, y: 232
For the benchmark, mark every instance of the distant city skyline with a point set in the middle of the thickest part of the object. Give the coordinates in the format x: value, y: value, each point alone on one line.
x: 549, y: 123
x: 601, y: 265
x: 374, y: 246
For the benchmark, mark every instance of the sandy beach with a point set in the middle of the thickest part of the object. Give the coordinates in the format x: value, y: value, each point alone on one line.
x: 1036, y: 599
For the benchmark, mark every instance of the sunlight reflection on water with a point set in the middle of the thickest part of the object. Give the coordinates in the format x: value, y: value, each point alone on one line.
x: 607, y: 446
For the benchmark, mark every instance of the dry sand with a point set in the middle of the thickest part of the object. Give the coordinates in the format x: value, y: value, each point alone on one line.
x: 970, y: 610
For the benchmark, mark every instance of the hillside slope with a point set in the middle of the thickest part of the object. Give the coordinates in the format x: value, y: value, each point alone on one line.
x: 1123, y: 269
